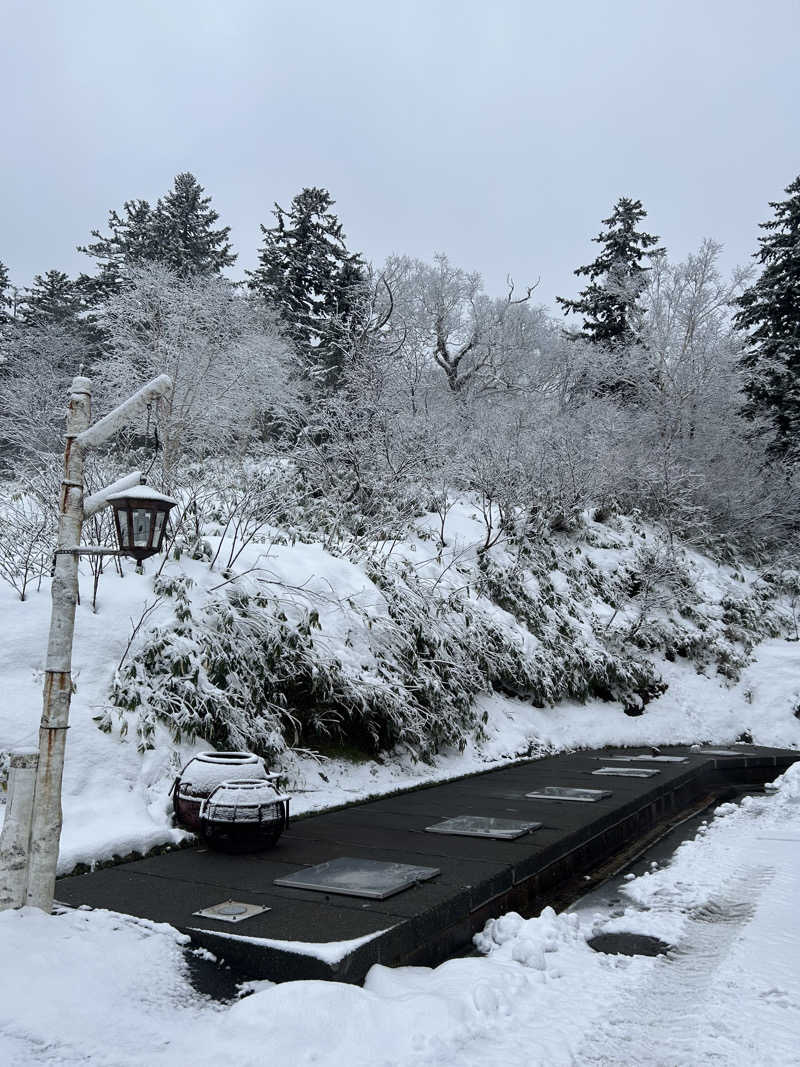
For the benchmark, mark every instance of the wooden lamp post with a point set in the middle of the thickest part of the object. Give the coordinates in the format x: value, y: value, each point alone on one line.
x: 30, y: 838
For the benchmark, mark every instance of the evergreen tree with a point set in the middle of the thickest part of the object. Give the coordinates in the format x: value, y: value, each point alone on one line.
x: 6, y: 299
x: 131, y: 240
x: 178, y: 232
x: 770, y: 313
x: 53, y: 298
x: 183, y: 228
x: 308, y: 276
x: 609, y: 304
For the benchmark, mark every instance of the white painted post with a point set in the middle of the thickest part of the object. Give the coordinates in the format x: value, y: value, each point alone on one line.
x: 46, y: 824
x: 15, y: 838
x: 29, y: 842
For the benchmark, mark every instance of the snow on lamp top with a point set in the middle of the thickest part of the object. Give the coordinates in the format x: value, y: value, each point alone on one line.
x: 143, y: 492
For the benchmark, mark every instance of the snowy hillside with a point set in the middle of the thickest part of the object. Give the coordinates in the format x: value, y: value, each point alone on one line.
x: 415, y: 661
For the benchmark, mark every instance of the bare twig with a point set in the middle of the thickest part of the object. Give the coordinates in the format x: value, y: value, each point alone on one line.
x: 147, y: 611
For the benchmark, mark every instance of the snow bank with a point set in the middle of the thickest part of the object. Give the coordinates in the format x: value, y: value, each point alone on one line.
x: 111, y: 990
x: 331, y: 952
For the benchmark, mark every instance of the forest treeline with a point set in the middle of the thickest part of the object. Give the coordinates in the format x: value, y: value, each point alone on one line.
x: 670, y: 391
x: 329, y: 401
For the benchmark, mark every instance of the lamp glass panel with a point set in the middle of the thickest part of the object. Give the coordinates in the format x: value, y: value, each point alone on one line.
x: 122, y: 526
x: 141, y: 527
x: 158, y: 527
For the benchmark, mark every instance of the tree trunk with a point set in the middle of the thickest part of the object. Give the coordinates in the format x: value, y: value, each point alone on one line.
x: 46, y: 826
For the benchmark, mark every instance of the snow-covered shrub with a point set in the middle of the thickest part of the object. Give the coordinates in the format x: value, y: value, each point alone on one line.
x: 250, y: 502
x: 244, y: 670
x: 666, y: 615
x: 444, y: 651
x: 244, y: 675
x: 784, y: 579
x: 567, y: 662
x: 361, y: 463
x: 27, y: 537
x: 751, y: 618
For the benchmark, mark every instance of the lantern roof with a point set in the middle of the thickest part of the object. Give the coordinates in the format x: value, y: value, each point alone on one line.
x: 142, y: 492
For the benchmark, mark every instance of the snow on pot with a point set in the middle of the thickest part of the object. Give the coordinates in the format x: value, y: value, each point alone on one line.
x: 244, y: 816
x: 203, y: 774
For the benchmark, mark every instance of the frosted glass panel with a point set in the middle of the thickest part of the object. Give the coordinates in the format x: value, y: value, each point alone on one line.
x: 644, y: 759
x: 141, y: 528
x: 483, y: 826
x: 628, y: 772
x: 359, y: 878
x: 564, y: 792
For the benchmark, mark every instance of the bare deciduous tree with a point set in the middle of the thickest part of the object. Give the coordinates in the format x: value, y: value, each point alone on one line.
x: 450, y: 322
x: 38, y: 363
x: 224, y: 354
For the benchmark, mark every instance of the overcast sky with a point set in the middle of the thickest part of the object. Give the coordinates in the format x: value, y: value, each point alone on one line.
x: 500, y: 132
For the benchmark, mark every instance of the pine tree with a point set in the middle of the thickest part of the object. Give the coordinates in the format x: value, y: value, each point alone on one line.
x: 308, y: 276
x: 53, y: 298
x: 131, y: 240
x: 6, y: 299
x: 183, y: 228
x: 609, y: 304
x: 178, y: 232
x: 770, y: 313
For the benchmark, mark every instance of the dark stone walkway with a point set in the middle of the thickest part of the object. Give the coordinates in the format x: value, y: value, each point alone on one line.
x: 480, y: 878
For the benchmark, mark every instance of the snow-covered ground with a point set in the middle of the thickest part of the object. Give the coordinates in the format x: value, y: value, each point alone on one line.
x: 107, y: 990
x: 116, y: 799
x: 95, y: 987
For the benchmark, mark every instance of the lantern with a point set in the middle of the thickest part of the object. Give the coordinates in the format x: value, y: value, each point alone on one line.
x: 140, y: 515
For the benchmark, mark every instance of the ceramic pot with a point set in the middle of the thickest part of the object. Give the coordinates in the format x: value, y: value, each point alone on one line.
x: 244, y: 816
x: 203, y: 774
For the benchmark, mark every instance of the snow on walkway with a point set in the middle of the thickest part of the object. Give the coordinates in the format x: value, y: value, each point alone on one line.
x: 688, y: 1011
x: 102, y: 989
x: 730, y: 991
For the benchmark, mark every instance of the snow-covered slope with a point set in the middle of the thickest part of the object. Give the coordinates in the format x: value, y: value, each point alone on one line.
x: 590, y: 600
